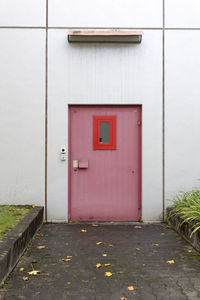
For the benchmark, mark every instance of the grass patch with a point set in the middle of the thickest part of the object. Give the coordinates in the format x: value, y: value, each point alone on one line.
x: 10, y: 216
x: 187, y: 207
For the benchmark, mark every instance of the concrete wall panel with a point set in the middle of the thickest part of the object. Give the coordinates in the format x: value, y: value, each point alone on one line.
x: 105, y: 13
x: 22, y: 12
x: 105, y: 74
x: 22, y: 116
x: 182, y: 110
x: 182, y: 13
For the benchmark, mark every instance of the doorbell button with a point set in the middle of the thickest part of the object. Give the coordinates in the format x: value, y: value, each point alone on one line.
x: 63, y: 153
x: 63, y: 150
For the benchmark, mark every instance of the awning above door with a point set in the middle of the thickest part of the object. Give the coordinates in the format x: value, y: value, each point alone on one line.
x: 105, y: 36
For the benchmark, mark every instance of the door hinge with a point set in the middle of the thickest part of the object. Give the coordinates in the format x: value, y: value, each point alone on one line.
x: 139, y: 206
x: 139, y: 123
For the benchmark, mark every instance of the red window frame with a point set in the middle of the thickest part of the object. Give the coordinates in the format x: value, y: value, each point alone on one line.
x: 96, y: 132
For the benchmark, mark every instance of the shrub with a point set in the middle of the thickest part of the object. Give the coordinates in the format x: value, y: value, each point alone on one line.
x: 187, y: 206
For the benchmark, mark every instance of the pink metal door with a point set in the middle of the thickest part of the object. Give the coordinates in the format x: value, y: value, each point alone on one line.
x: 104, y: 163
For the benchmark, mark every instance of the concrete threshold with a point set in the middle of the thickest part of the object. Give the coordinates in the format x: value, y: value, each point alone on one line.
x: 107, y: 223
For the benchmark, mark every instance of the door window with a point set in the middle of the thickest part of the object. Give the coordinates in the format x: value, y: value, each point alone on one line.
x: 104, y: 134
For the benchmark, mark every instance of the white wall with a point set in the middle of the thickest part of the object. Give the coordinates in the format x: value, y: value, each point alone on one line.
x: 22, y: 12
x: 105, y: 74
x: 22, y: 116
x: 182, y: 111
x: 182, y: 13
x: 97, y: 74
x: 105, y: 13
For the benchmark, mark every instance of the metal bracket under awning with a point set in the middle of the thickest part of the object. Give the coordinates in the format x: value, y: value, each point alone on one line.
x: 105, y: 36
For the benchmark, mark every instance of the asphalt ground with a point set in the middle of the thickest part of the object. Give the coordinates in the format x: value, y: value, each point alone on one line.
x: 143, y: 262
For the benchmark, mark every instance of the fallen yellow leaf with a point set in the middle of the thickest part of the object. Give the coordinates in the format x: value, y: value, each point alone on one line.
x: 95, y: 225
x: 25, y: 278
x: 107, y: 265
x: 68, y: 282
x: 34, y: 272
x: 123, y: 298
x: 110, y: 245
x: 21, y: 269
x: 137, y: 227
x: 98, y: 265
x: 69, y: 256
x: 39, y: 234
x: 131, y: 288
x: 99, y: 243
x: 155, y: 245
x: 108, y: 274
x: 40, y: 247
x: 66, y: 259
x: 162, y: 233
x: 170, y: 261
x: 137, y: 249
x: 189, y: 251
x: 104, y: 254
x: 83, y: 230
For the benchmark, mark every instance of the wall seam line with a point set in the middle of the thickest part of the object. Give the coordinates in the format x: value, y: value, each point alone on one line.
x: 22, y: 27
x: 163, y: 114
x: 133, y: 28
x: 116, y: 28
x: 46, y: 107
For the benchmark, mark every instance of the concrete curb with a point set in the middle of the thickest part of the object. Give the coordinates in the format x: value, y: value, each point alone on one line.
x: 16, y: 241
x: 185, y: 230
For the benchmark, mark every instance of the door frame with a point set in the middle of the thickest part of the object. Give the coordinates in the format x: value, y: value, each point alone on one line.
x: 139, y: 151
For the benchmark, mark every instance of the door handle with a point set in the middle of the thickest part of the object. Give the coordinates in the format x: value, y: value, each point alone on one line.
x: 83, y: 164
x: 75, y: 165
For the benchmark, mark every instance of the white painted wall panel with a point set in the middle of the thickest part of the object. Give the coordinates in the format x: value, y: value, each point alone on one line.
x: 22, y: 12
x: 105, y: 13
x: 182, y: 111
x: 22, y: 85
x: 105, y: 74
x: 182, y: 13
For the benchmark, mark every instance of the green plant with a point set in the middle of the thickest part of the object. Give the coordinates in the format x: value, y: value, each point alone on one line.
x: 10, y: 216
x: 187, y: 206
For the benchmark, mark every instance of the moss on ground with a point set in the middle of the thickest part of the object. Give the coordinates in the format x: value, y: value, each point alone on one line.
x: 10, y: 215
